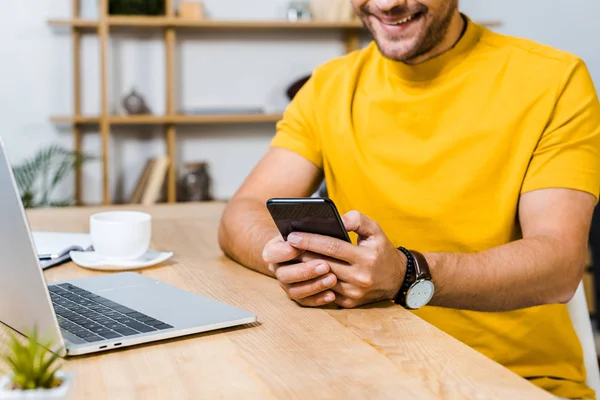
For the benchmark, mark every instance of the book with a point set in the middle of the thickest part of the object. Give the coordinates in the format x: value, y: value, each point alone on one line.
x: 138, y: 192
x: 156, y: 180
x: 53, y: 248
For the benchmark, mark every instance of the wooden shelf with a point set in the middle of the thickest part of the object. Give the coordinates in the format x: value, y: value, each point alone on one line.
x: 176, y: 119
x: 226, y: 119
x: 164, y: 22
x: 80, y: 119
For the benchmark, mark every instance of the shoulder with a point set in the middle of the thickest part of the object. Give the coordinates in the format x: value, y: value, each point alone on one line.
x: 344, y: 68
x: 527, y: 52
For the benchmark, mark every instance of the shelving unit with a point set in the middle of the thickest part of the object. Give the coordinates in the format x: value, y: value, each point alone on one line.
x: 170, y: 24
x: 175, y: 119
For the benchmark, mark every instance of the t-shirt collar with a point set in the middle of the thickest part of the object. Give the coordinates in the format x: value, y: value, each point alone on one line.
x: 440, y: 64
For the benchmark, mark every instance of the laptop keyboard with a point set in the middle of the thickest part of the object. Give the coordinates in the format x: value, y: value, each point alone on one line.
x: 94, y: 318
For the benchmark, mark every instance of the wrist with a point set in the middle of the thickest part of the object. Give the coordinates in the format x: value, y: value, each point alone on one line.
x: 400, y: 277
x: 417, y: 288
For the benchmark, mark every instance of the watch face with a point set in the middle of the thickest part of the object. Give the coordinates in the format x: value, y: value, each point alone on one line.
x: 420, y: 294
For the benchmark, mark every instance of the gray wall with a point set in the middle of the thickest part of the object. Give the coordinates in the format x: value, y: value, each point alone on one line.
x: 226, y: 69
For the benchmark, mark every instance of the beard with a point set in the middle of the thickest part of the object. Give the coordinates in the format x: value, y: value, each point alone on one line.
x: 422, y: 39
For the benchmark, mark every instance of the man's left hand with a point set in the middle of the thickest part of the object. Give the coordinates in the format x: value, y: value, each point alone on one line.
x: 372, y: 271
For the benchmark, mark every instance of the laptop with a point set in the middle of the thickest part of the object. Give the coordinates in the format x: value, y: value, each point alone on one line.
x: 100, y: 313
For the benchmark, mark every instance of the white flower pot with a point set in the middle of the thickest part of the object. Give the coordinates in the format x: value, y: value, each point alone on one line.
x: 60, y: 393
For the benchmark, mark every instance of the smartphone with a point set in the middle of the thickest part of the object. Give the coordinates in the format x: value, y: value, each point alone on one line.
x: 310, y: 215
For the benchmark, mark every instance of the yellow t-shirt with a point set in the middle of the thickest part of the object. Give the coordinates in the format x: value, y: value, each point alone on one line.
x: 439, y: 153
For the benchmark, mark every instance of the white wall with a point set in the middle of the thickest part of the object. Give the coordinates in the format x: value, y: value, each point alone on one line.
x: 238, y: 68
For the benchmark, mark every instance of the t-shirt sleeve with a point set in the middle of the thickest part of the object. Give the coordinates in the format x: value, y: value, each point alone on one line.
x: 297, y: 131
x: 568, y: 153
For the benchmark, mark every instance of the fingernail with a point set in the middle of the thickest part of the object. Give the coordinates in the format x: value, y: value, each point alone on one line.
x: 294, y: 238
x: 329, y: 297
x: 328, y: 281
x: 321, y: 269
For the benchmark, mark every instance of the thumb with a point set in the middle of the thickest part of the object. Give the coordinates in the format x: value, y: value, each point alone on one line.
x: 365, y: 227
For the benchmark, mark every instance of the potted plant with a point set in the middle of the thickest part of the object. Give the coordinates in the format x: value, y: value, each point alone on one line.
x: 39, y: 176
x: 33, y: 370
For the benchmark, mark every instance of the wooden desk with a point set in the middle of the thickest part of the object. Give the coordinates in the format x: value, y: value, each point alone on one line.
x: 379, y: 352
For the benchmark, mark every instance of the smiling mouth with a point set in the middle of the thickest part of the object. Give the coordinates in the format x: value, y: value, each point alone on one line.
x: 404, y: 20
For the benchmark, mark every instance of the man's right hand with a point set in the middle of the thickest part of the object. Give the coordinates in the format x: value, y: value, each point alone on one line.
x: 308, y: 283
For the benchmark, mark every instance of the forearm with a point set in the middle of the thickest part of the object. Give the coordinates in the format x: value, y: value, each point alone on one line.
x: 529, y: 272
x: 245, y: 229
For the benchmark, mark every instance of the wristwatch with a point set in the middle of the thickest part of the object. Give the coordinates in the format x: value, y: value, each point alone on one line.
x: 417, y: 289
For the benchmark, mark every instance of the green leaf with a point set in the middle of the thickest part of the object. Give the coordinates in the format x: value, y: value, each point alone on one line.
x: 62, y: 203
x: 38, y: 176
x: 32, y: 365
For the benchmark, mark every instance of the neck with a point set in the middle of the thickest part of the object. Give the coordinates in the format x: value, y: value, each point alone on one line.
x: 455, y: 32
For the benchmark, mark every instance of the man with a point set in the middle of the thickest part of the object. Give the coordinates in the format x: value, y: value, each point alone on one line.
x: 479, y: 150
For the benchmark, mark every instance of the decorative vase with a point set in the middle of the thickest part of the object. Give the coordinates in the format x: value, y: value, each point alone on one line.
x: 299, y: 10
x: 60, y: 393
x: 135, y: 104
x: 196, y: 183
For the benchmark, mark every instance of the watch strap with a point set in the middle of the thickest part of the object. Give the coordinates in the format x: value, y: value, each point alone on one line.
x: 417, y: 268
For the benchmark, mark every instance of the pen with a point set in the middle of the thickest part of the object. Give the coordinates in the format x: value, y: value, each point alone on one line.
x: 50, y: 257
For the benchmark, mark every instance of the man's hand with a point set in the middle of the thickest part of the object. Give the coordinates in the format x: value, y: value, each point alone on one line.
x: 370, y: 272
x: 304, y: 277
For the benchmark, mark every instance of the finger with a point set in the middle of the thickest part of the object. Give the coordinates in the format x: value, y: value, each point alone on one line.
x: 365, y: 227
x: 302, y: 290
x: 301, y: 272
x: 344, y: 271
x: 278, y: 251
x: 324, y: 245
x: 318, y: 300
x: 345, y: 302
x: 349, y: 290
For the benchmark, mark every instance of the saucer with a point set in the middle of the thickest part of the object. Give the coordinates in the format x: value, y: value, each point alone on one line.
x: 91, y: 259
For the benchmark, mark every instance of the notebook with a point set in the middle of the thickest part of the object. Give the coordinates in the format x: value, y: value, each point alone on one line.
x: 57, y: 245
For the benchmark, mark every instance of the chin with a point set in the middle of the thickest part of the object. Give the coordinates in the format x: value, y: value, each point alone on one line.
x: 402, y: 51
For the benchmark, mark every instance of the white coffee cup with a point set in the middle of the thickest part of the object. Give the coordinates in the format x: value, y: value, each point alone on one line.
x: 121, y: 235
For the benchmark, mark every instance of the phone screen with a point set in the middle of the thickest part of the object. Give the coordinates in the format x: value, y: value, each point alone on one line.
x: 307, y: 215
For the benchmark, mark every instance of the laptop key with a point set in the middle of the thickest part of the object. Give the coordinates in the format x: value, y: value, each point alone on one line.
x: 126, y: 331
x: 55, y: 289
x: 106, y: 302
x: 101, y: 331
x: 91, y: 325
x: 78, y: 309
x: 103, y: 321
x: 82, y: 333
x: 94, y: 338
x: 135, y: 315
x: 163, y: 326
x: 153, y: 322
x: 110, y: 335
x: 61, y: 310
x: 139, y: 327
x: 90, y: 295
x: 114, y: 315
x: 114, y: 325
x: 67, y: 286
x: 145, y: 320
x: 79, y: 320
x: 123, y: 309
x: 91, y: 314
x: 103, y: 310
